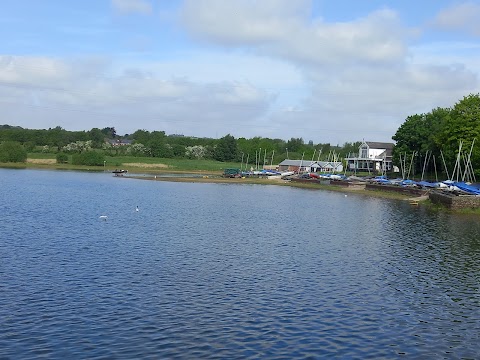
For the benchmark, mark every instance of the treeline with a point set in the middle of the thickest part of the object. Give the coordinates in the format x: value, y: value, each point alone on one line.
x: 424, y: 143
x: 430, y: 142
x: 158, y: 144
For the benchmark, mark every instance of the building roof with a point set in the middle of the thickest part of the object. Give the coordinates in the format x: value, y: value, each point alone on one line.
x: 289, y: 162
x: 309, y: 163
x: 388, y: 147
x: 380, y: 145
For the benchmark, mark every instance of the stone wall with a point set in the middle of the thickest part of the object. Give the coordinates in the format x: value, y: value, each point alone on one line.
x: 453, y: 201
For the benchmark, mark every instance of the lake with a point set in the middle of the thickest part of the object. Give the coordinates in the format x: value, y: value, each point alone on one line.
x: 227, y: 271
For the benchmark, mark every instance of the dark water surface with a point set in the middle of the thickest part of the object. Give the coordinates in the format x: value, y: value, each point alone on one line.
x: 229, y: 271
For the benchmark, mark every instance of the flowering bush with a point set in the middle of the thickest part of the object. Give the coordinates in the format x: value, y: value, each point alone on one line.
x: 196, y: 152
x: 137, y: 149
x: 78, y: 146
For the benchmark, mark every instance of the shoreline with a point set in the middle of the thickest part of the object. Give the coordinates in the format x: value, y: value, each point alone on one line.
x: 280, y: 182
x: 415, y: 201
x: 206, y: 176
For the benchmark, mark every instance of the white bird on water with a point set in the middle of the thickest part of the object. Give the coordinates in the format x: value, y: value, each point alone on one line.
x: 137, y: 209
x: 103, y: 217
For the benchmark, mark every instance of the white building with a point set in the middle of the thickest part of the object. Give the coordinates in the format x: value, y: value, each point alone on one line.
x: 372, y: 156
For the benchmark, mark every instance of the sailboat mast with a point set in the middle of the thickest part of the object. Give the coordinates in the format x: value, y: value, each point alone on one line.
x: 444, y: 165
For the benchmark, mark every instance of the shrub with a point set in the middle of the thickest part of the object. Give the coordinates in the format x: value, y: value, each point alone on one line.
x: 91, y: 158
x: 62, y: 158
x: 12, y: 151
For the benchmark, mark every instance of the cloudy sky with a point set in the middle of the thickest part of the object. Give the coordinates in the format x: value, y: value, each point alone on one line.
x: 324, y: 70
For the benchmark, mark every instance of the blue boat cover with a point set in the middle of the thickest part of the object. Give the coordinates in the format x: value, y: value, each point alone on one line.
x: 467, y: 188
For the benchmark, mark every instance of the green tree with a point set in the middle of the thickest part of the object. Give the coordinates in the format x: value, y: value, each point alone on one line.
x: 141, y: 136
x: 294, y: 144
x: 178, y: 150
x: 226, y: 149
x: 463, y: 125
x: 11, y: 151
x: 57, y: 137
x: 349, y: 148
x: 109, y: 132
x: 419, y: 135
x: 97, y: 137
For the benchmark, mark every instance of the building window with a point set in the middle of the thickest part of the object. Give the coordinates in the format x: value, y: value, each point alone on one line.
x: 363, y: 152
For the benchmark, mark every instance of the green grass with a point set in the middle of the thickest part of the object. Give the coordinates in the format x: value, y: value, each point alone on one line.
x: 119, y: 161
x: 174, y: 164
x: 41, y: 155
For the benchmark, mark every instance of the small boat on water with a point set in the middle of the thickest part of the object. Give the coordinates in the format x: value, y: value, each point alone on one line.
x: 117, y: 172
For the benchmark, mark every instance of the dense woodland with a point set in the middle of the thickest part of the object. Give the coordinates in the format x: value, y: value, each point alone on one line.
x: 425, y: 142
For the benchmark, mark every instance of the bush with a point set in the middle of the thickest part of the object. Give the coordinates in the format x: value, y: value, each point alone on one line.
x: 62, y: 158
x: 91, y: 158
x: 12, y: 151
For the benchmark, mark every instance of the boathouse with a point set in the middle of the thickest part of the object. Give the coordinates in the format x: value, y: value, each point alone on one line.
x: 372, y: 156
x: 310, y: 166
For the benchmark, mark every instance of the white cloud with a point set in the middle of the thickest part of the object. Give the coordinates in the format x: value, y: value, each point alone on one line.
x: 361, y: 74
x: 133, y: 100
x: 270, y: 69
x: 284, y: 28
x: 132, y: 6
x: 245, y: 21
x: 24, y: 71
x: 461, y: 17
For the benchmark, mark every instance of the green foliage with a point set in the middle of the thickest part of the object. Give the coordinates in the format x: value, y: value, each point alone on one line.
x: 349, y: 149
x: 141, y: 136
x: 294, y: 144
x: 29, y: 146
x: 12, y: 151
x: 91, y: 158
x: 159, y: 148
x: 178, y: 150
x: 62, y: 158
x: 441, y: 132
x: 463, y: 125
x: 97, y: 137
x: 226, y: 149
x: 109, y: 132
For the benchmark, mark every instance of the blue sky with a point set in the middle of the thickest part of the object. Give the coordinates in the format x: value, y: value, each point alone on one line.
x: 326, y: 71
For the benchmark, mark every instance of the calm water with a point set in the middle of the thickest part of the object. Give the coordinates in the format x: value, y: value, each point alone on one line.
x: 229, y: 271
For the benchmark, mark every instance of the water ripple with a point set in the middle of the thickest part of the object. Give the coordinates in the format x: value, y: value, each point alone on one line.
x: 228, y: 271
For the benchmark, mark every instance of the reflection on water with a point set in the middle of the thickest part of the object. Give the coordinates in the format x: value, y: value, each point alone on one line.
x: 229, y: 271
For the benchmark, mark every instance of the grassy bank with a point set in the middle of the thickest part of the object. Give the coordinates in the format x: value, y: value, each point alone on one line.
x: 130, y: 163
